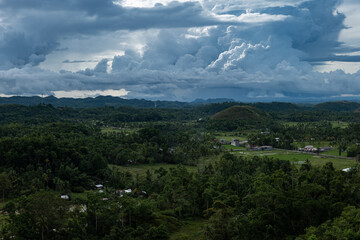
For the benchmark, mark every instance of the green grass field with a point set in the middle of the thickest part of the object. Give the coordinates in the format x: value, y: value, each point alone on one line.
x: 190, y: 230
x: 299, y: 158
x: 335, y: 152
x: 229, y: 135
x: 340, y: 124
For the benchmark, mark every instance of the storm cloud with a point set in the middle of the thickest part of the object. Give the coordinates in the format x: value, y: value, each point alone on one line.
x: 177, y: 50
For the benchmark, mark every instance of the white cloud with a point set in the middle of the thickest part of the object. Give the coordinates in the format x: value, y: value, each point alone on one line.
x: 90, y: 93
x: 238, y: 49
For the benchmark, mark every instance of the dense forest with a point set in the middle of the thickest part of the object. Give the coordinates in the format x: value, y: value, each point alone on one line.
x: 65, y: 172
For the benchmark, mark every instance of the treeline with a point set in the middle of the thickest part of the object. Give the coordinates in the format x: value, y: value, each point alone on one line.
x: 110, y: 115
x: 240, y: 198
x: 40, y: 114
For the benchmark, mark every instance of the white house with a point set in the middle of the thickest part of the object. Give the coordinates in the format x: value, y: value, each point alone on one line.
x: 235, y: 142
x: 66, y: 197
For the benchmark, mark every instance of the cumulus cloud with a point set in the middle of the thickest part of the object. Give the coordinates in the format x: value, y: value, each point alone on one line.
x: 87, y: 93
x: 238, y: 49
x: 31, y: 30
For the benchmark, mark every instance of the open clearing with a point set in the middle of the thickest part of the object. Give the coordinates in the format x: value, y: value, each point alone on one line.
x: 299, y: 158
x: 190, y: 230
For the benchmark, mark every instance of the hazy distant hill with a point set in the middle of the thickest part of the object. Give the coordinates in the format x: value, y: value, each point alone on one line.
x: 242, y: 113
x: 100, y: 101
x: 212, y: 100
x: 337, y: 106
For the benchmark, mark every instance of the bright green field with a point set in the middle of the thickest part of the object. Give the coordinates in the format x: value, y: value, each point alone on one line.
x: 299, y: 158
x: 229, y: 135
x: 335, y: 152
x: 190, y: 230
x: 339, y: 124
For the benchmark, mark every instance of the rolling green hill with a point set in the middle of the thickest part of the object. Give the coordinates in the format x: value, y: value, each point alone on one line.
x: 242, y: 113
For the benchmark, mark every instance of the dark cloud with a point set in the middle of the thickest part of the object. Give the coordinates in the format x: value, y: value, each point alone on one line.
x: 264, y: 53
x: 336, y: 58
x: 33, y: 29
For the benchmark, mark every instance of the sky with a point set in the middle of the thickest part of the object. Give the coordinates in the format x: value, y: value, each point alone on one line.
x: 259, y: 50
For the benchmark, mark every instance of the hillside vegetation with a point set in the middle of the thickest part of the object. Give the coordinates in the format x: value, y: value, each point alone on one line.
x: 242, y: 113
x: 337, y: 106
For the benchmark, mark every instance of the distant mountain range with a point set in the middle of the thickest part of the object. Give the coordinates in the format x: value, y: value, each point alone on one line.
x: 102, y: 101
x: 217, y: 104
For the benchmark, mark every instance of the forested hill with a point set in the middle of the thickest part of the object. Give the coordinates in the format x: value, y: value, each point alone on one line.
x: 207, y: 107
x: 242, y: 113
x: 100, y: 101
x: 339, y: 106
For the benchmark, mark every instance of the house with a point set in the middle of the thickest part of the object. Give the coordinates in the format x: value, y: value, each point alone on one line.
x: 65, y: 197
x: 235, y: 142
x: 122, y: 192
x: 308, y: 149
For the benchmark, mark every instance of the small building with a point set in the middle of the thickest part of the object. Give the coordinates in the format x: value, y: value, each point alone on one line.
x: 235, y: 142
x: 122, y: 192
x: 99, y: 186
x: 346, y: 170
x: 308, y: 149
x: 65, y: 197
